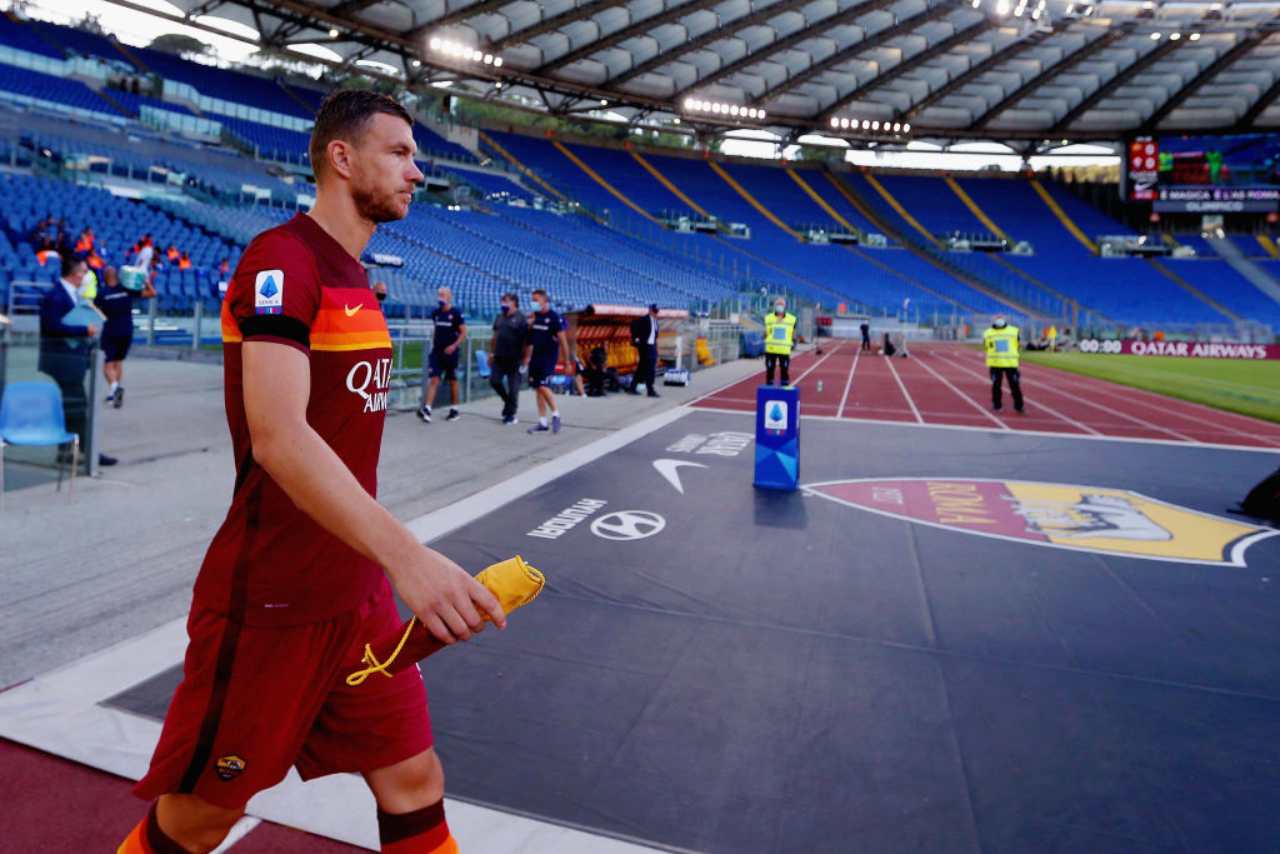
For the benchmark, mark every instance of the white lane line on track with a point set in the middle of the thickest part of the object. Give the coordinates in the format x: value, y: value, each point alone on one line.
x: 1055, y: 413
x: 815, y: 365
x: 902, y: 387
x: 1053, y: 388
x: 972, y: 402
x: 849, y: 383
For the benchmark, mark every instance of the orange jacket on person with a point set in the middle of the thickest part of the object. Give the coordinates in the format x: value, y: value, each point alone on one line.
x: 84, y: 244
x: 43, y: 255
x: 94, y: 260
x: 171, y: 253
x: 184, y: 263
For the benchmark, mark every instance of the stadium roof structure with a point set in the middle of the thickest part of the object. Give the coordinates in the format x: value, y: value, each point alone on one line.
x: 868, y: 70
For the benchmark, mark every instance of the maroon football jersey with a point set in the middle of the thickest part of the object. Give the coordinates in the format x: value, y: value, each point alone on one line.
x: 270, y: 563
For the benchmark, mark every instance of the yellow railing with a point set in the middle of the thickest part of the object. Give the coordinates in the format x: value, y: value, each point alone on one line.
x: 975, y: 209
x: 751, y: 200
x: 595, y: 176
x: 897, y: 206
x: 1066, y: 221
x: 520, y: 167
x: 666, y: 182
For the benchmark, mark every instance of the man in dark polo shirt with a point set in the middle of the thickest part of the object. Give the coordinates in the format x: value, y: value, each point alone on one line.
x: 450, y: 330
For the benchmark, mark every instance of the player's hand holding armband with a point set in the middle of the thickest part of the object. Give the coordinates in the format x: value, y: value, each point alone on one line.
x: 448, y: 601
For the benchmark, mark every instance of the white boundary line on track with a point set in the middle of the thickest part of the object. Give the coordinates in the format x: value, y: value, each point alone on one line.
x: 1053, y: 388
x: 1055, y: 413
x: 972, y: 402
x: 1141, y: 440
x: 815, y: 365
x: 902, y: 388
x: 849, y: 383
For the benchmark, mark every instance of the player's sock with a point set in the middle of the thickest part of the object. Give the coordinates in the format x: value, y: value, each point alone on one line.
x: 422, y: 831
x: 542, y: 421
x: 148, y: 838
x: 111, y: 392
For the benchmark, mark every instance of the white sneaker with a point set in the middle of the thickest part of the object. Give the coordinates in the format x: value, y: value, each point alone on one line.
x: 425, y: 414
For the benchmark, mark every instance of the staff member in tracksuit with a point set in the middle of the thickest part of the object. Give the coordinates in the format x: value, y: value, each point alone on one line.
x: 1001, y: 345
x: 541, y: 353
x: 507, y: 347
x: 449, y: 331
x: 779, y: 338
x: 116, y: 304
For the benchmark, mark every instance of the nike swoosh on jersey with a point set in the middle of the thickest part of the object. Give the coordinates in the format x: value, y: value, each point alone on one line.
x: 351, y: 312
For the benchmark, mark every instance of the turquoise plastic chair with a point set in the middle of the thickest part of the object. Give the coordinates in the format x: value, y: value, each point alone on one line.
x: 482, y: 364
x: 31, y: 415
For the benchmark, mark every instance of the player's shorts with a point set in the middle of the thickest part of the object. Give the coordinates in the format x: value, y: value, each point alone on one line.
x: 256, y: 700
x: 443, y: 365
x: 116, y: 347
x: 540, y: 370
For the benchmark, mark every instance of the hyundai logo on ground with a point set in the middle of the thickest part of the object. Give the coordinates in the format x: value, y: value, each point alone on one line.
x: 627, y: 525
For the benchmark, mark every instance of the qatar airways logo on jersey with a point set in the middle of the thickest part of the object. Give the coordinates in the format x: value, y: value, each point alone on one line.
x: 370, y: 380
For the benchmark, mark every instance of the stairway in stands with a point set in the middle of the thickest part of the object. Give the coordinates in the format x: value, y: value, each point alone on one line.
x: 927, y: 250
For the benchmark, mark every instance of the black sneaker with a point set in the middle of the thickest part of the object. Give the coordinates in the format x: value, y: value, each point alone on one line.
x: 424, y: 413
x: 510, y: 419
x: 653, y: 393
x: 538, y: 428
x: 454, y: 415
x: 119, y: 402
x: 104, y: 460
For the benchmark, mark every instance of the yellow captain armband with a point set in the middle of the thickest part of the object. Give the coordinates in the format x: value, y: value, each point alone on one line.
x: 513, y: 583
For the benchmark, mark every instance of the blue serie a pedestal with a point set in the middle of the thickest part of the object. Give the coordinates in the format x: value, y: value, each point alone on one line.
x: 777, y: 438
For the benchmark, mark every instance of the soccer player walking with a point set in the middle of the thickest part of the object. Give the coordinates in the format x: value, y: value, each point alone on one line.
x: 299, y: 576
x: 450, y: 330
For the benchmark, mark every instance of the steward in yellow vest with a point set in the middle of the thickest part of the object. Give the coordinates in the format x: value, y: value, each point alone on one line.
x: 1001, y: 345
x: 779, y: 338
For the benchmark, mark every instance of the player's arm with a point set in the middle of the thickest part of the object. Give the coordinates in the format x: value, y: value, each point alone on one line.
x: 462, y: 336
x: 564, y: 348
x: 277, y: 382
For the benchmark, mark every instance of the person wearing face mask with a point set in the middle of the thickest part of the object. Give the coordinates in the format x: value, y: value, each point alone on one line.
x: 65, y: 349
x: 380, y: 291
x: 779, y: 338
x: 450, y: 330
x: 506, y: 348
x: 1001, y: 345
x: 541, y: 353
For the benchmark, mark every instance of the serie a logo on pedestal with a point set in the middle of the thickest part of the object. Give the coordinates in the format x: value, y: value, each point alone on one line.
x: 775, y: 416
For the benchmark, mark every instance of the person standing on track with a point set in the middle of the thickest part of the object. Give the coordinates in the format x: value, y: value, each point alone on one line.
x: 865, y: 329
x: 295, y: 581
x: 644, y: 337
x: 541, y: 353
x: 450, y: 330
x: 779, y: 338
x: 1001, y: 345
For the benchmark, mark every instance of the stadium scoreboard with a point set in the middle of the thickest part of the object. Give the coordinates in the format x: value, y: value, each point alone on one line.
x: 1204, y: 174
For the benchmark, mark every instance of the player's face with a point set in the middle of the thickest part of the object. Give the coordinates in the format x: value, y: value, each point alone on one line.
x: 383, y: 174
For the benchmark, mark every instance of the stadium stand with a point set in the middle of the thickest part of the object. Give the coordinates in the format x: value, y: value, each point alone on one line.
x: 482, y: 252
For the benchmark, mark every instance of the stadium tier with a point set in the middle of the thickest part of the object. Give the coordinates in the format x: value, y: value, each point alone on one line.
x: 773, y: 218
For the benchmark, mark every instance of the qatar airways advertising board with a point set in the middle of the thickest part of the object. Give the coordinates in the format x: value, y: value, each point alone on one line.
x: 1181, y: 349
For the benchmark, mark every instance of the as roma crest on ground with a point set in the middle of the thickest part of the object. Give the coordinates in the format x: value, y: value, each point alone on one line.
x: 1058, y: 515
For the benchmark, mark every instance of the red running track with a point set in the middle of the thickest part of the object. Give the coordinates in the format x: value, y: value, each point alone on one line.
x: 946, y: 384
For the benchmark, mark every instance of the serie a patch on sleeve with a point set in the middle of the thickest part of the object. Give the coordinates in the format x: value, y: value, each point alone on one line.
x: 268, y: 292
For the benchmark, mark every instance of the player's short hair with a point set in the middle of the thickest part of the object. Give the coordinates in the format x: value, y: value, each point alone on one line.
x: 512, y: 297
x: 69, y: 263
x: 539, y: 292
x: 344, y: 115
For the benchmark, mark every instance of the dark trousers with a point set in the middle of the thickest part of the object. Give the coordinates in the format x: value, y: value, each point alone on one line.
x: 1015, y: 386
x: 866, y: 341
x: 774, y: 361
x: 68, y: 369
x: 647, y: 367
x: 504, y: 378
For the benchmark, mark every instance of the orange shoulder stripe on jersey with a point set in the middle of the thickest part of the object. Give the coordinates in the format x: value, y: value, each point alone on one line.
x: 351, y: 341
x: 230, y: 329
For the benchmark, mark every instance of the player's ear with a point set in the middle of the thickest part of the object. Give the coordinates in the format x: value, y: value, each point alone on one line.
x: 340, y: 155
